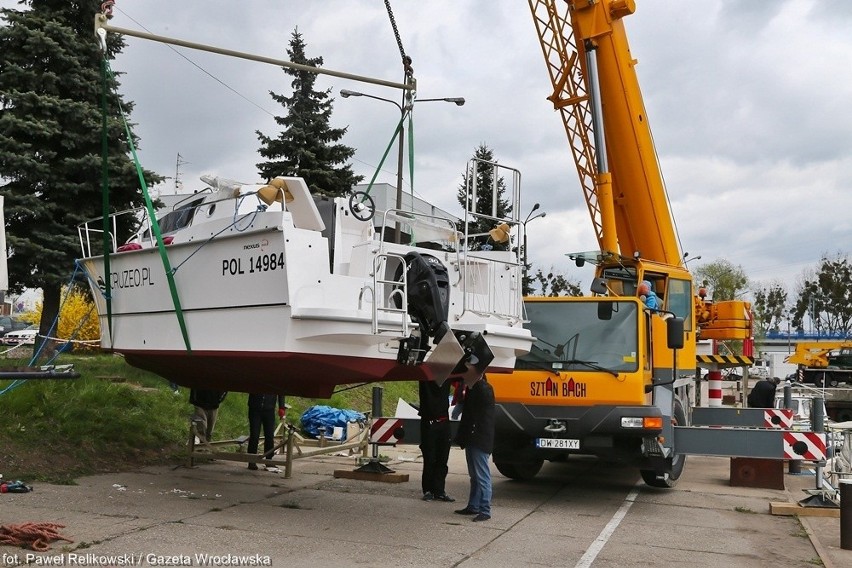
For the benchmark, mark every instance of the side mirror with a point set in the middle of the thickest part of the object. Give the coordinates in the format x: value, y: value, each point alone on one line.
x: 580, y: 262
x: 599, y: 286
x: 605, y: 311
x: 674, y: 333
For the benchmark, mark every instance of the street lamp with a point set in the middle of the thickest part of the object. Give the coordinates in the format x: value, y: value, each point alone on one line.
x: 458, y: 101
x: 530, y: 217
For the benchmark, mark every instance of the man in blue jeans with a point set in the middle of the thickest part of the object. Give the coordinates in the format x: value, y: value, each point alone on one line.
x: 476, y: 437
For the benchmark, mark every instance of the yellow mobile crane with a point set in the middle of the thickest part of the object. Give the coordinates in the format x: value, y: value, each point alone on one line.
x: 608, y: 375
x: 825, y: 363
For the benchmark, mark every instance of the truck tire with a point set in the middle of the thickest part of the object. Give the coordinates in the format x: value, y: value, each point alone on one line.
x: 519, y: 471
x: 826, y: 380
x: 843, y: 414
x: 667, y: 478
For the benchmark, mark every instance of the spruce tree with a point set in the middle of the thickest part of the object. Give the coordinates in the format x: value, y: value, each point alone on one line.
x: 51, y: 141
x: 306, y: 145
x: 484, y: 197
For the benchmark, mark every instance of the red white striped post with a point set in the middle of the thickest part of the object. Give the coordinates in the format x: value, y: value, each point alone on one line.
x: 714, y: 388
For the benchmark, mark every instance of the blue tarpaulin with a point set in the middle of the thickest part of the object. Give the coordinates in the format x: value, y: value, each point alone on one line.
x: 317, y: 416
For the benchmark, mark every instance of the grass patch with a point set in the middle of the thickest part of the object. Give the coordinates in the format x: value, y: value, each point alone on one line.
x: 744, y: 510
x: 116, y: 418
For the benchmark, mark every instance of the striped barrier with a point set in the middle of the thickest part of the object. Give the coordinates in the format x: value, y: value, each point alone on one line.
x: 387, y: 431
x: 778, y: 418
x: 804, y: 446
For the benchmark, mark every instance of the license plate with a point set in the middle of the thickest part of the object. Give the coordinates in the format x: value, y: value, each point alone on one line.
x: 558, y: 443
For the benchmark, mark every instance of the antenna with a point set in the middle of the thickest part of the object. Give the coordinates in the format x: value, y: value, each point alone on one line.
x: 178, y: 163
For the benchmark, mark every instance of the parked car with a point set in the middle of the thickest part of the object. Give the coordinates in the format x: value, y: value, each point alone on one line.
x: 21, y: 337
x: 8, y: 323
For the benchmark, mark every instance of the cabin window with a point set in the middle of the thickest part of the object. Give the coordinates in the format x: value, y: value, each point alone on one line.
x: 679, y: 298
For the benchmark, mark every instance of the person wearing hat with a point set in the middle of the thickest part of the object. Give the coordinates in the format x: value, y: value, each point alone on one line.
x: 762, y: 395
x: 648, y: 296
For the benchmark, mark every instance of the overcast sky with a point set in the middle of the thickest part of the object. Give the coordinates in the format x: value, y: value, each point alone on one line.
x: 749, y: 103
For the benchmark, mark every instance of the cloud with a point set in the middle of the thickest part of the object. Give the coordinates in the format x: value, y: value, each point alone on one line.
x: 747, y: 101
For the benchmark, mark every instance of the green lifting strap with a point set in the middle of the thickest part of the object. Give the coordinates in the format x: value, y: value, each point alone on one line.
x: 155, y: 226
x: 385, y: 155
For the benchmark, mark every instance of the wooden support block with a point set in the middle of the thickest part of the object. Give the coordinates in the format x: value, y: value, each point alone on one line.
x: 371, y: 476
x: 789, y: 509
x: 757, y: 472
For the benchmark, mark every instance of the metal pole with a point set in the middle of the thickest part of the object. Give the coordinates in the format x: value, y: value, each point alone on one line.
x: 524, y: 281
x: 100, y: 24
x: 846, y: 514
x: 793, y: 466
x: 400, y: 159
x: 818, y: 420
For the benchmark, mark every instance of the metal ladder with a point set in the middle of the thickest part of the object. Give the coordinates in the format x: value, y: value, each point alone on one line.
x: 386, y: 306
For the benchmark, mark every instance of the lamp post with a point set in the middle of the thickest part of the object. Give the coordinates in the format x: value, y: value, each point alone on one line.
x: 458, y: 101
x: 530, y: 217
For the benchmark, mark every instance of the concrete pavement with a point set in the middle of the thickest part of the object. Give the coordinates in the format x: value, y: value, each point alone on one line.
x: 222, y: 514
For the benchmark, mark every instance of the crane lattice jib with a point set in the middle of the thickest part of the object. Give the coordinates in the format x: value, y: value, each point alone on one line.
x: 569, y: 95
x: 642, y: 218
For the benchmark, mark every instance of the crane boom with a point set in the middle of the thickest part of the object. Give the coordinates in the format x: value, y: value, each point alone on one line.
x: 578, y: 34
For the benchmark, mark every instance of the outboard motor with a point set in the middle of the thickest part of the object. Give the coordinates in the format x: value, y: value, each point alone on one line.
x: 428, y: 304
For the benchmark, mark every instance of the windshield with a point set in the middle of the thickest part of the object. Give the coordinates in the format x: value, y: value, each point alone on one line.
x: 572, y: 336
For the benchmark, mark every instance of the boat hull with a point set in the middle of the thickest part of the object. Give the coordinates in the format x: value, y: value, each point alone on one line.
x: 308, y: 375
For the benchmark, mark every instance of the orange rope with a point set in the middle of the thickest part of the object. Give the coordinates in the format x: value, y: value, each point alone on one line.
x: 37, y: 536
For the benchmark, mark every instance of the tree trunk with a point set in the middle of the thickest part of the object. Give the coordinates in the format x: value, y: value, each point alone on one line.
x: 49, y: 314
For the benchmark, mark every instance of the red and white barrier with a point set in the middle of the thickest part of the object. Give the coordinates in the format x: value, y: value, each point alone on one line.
x: 778, y: 418
x: 714, y: 389
x: 386, y: 431
x: 804, y: 446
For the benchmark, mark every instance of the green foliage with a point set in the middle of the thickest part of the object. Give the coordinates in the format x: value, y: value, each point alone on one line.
x: 483, y: 179
x: 51, y: 139
x: 826, y: 297
x: 555, y: 284
x: 78, y: 318
x: 724, y: 280
x: 768, y: 307
x: 116, y: 416
x: 305, y: 145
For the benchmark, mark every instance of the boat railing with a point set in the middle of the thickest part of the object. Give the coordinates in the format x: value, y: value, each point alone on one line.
x: 487, y: 262
x: 139, y: 221
x: 482, y: 278
x: 91, y: 232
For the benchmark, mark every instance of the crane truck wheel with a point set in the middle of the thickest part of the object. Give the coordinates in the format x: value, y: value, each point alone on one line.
x: 826, y: 381
x: 520, y: 471
x: 668, y: 478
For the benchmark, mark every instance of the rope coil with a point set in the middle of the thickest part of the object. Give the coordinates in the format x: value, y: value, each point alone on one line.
x: 36, y: 536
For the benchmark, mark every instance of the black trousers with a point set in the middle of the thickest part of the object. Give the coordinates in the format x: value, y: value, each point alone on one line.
x: 435, y: 445
x: 262, y: 417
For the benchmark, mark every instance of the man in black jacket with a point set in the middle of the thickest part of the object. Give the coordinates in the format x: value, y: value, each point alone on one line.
x: 206, y: 404
x: 476, y: 436
x: 762, y: 395
x: 435, y: 439
x: 261, y: 412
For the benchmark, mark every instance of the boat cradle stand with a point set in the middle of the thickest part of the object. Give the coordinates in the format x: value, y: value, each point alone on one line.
x: 289, y: 446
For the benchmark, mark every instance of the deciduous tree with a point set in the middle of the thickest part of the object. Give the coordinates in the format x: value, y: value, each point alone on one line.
x: 769, y: 306
x: 555, y: 284
x: 825, y: 296
x: 724, y: 280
